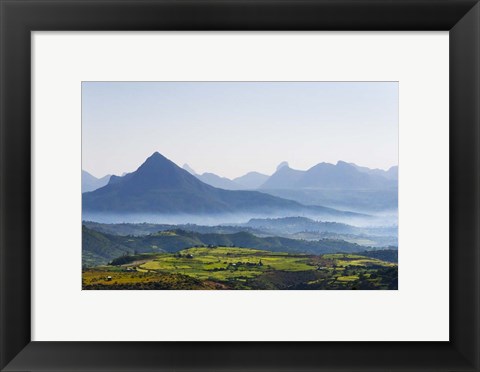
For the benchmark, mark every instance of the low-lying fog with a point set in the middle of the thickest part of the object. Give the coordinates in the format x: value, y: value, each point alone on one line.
x: 383, y: 219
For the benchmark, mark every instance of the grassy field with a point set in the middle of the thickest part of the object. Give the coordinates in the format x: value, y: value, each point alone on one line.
x: 242, y: 268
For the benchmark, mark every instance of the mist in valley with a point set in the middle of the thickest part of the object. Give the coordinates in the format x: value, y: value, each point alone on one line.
x: 372, y: 230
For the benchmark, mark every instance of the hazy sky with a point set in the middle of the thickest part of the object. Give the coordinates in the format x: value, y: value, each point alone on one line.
x: 231, y: 128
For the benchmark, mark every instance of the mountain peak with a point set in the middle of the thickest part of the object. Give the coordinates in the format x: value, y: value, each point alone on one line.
x: 158, y: 172
x: 344, y: 164
x: 155, y: 155
x: 156, y: 160
x: 282, y: 164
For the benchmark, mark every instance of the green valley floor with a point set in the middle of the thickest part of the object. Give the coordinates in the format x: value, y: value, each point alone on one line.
x: 227, y: 268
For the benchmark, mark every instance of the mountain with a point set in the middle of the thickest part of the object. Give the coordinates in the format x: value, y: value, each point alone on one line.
x: 300, y: 224
x: 214, y: 180
x: 391, y: 173
x: 282, y: 164
x: 90, y: 182
x: 341, y: 176
x: 251, y: 180
x: 284, y: 178
x: 217, y: 181
x: 366, y: 201
x: 99, y: 248
x: 291, y: 225
x: 159, y: 186
x: 115, y: 179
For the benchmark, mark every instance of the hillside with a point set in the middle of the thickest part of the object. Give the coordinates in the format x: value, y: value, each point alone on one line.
x: 99, y: 248
x: 289, y: 227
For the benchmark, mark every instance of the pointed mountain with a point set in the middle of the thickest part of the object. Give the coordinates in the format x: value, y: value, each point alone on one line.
x: 251, y: 180
x: 90, y: 182
x: 160, y: 186
x: 282, y: 164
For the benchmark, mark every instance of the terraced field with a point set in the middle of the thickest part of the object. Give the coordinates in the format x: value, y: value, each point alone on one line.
x: 242, y: 268
x: 226, y: 264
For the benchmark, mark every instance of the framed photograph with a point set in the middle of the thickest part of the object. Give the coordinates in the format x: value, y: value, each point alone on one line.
x: 166, y: 226
x: 238, y: 185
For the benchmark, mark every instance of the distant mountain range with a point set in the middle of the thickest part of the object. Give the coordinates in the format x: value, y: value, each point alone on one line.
x: 284, y: 178
x: 220, y: 182
x: 343, y: 176
x: 299, y: 224
x: 249, y: 181
x: 291, y: 225
x: 391, y: 173
x: 344, y: 186
x: 90, y: 182
x: 341, y: 186
x: 159, y: 186
x: 323, y: 176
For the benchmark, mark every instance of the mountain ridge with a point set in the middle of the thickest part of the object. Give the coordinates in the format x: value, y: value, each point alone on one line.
x: 99, y: 247
x: 160, y: 186
x: 341, y: 175
x: 91, y: 183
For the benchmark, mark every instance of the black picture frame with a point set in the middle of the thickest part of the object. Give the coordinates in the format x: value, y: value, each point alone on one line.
x: 18, y: 18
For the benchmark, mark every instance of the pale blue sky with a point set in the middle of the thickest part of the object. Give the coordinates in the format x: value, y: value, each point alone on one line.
x: 231, y: 128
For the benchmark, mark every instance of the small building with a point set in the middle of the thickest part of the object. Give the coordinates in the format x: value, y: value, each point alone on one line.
x: 108, y: 278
